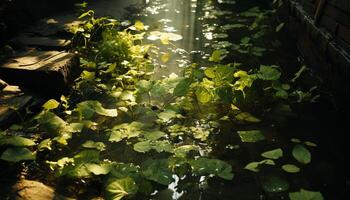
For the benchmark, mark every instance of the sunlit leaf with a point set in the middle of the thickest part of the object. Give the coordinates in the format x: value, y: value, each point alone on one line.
x: 251, y: 136
x: 291, y: 168
x: 165, y: 57
x: 301, y: 154
x: 216, y: 56
x: 88, y: 108
x: 17, y: 154
x: 17, y: 141
x: 143, y: 146
x: 154, y: 135
x: 305, y: 195
x: 247, y: 117
x: 204, y: 95
x: 117, y: 189
x: 94, y: 145
x: 254, y: 166
x: 99, y: 169
x: 51, y: 104
x: 182, y: 151
x: 273, y: 154
x: 45, y: 144
x: 139, y: 26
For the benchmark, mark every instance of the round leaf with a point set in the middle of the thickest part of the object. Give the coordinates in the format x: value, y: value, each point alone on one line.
x: 301, y: 154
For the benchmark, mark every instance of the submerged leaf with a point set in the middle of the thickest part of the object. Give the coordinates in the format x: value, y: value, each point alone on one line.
x: 275, y: 184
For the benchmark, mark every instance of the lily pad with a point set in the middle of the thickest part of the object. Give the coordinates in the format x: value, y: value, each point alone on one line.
x: 305, y: 195
x: 117, y: 189
x: 273, y: 154
x: 301, y: 154
x: 251, y: 136
x: 291, y: 168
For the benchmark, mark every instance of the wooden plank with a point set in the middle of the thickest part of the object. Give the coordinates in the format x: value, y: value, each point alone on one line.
x: 340, y: 4
x: 338, y: 15
x: 329, y: 23
x: 344, y: 33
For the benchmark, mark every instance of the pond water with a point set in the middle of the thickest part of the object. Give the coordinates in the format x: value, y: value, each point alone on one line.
x: 190, y: 31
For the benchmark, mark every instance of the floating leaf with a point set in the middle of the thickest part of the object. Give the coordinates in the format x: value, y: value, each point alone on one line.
x: 269, y: 73
x: 216, y: 56
x: 117, y: 189
x: 254, y: 166
x: 251, y: 136
x: 165, y: 57
x: 51, y: 104
x: 158, y: 171
x: 45, y: 144
x: 99, y: 169
x: 139, y: 26
x: 203, y: 166
x: 310, y: 144
x: 275, y: 184
x: 17, y: 154
x: 301, y: 154
x: 88, y: 108
x: 154, y: 135
x: 17, y: 141
x: 94, y: 145
x: 305, y: 195
x: 291, y: 168
x: 167, y: 115
x: 273, y: 154
x: 247, y: 117
x: 182, y: 151
x: 143, y: 146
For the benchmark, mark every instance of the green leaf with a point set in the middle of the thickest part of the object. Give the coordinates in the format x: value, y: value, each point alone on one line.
x: 94, y: 145
x: 279, y: 27
x: 216, y: 56
x: 161, y: 146
x: 154, y: 135
x: 51, y: 104
x: 139, y: 26
x: 88, y: 108
x: 269, y: 73
x: 167, y: 115
x: 99, y: 169
x: 204, y: 95
x: 203, y: 166
x: 182, y: 151
x: 143, y: 146
x: 87, y: 156
x: 17, y: 154
x: 251, y: 136
x: 291, y: 168
x: 301, y: 154
x: 158, y: 171
x: 254, y: 166
x: 275, y: 184
x: 51, y: 122
x: 273, y: 154
x: 17, y: 141
x: 182, y: 87
x: 117, y: 189
x: 305, y: 195
x: 247, y: 117
x: 45, y: 144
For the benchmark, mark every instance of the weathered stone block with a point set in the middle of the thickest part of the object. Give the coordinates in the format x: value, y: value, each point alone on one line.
x: 47, y: 72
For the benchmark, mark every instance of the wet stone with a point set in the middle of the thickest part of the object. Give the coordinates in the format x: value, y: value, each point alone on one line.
x: 34, y: 190
x: 47, y: 72
x: 46, y: 43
